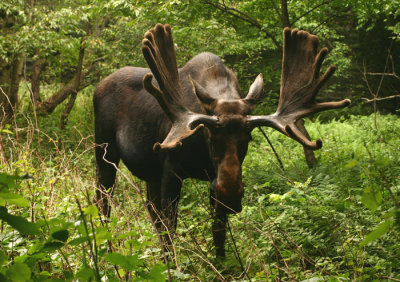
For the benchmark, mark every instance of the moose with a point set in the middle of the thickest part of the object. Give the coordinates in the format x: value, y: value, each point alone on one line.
x: 168, y: 124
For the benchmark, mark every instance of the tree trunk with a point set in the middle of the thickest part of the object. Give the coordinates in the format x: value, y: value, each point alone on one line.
x: 285, y: 14
x: 71, y: 88
x: 10, y: 76
x: 10, y: 72
x: 37, y: 68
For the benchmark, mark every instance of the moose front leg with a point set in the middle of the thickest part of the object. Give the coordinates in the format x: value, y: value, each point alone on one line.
x: 219, y: 224
x: 219, y: 233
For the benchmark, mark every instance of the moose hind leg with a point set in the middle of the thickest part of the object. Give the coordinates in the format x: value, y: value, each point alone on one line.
x: 107, y: 160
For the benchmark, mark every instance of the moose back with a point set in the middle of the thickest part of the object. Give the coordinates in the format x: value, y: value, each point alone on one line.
x: 167, y: 124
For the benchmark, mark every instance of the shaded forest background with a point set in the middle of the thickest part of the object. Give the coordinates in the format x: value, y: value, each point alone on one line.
x: 336, y: 221
x: 74, y: 44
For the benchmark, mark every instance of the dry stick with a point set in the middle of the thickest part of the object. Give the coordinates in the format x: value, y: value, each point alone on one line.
x: 272, y: 147
x: 236, y: 250
x: 295, y: 248
x: 208, y: 210
x: 221, y: 277
x: 381, y: 99
x: 3, y: 157
x: 288, y: 238
x: 93, y: 253
x: 166, y: 261
x: 195, y: 241
x: 390, y: 278
x: 59, y: 250
x: 197, y: 244
x: 375, y: 95
x: 280, y: 254
x: 33, y: 105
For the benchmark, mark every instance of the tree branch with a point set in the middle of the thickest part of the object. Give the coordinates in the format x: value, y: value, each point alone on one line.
x: 380, y: 99
x: 285, y: 14
x: 242, y: 16
x: 309, y: 11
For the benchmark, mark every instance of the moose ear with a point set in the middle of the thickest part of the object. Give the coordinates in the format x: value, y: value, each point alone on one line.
x: 201, y: 94
x: 255, y: 91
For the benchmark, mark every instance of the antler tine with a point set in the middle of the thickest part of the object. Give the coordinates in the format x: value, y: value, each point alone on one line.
x: 300, y: 83
x: 159, y: 53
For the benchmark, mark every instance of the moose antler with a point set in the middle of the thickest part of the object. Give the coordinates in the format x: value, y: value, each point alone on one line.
x: 300, y: 83
x: 159, y: 53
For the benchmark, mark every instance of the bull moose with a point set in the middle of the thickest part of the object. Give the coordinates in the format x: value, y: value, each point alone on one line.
x: 168, y: 124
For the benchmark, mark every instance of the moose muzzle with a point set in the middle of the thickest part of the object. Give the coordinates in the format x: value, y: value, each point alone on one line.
x: 228, y: 200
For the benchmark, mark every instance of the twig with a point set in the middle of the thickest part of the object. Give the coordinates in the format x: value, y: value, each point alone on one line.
x: 273, y: 149
x: 92, y: 252
x: 237, y: 252
x: 381, y: 99
x: 244, y: 17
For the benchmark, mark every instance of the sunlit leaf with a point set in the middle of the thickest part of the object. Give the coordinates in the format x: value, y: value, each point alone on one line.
x: 126, y: 262
x: 91, y: 210
x: 14, y: 199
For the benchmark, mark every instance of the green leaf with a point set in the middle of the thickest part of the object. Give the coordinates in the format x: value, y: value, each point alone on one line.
x: 52, y: 246
x: 157, y: 273
x: 6, y: 131
x: 61, y: 235
x: 78, y: 241
x: 103, y: 234
x: 351, y: 164
x: 378, y: 232
x: 85, y: 274
x: 274, y: 197
x: 3, y: 258
x: 37, y: 247
x: 8, y: 181
x: 91, y: 210
x: 14, y: 199
x: 126, y: 262
x: 19, y: 272
x: 371, y: 199
x: 19, y: 223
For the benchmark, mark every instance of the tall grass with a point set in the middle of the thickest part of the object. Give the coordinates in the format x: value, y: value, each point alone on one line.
x: 296, y: 223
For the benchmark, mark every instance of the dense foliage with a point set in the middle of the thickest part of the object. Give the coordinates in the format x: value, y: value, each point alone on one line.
x: 337, y: 221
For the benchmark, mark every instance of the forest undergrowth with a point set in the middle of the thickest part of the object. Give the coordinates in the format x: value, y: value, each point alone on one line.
x: 338, y: 221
